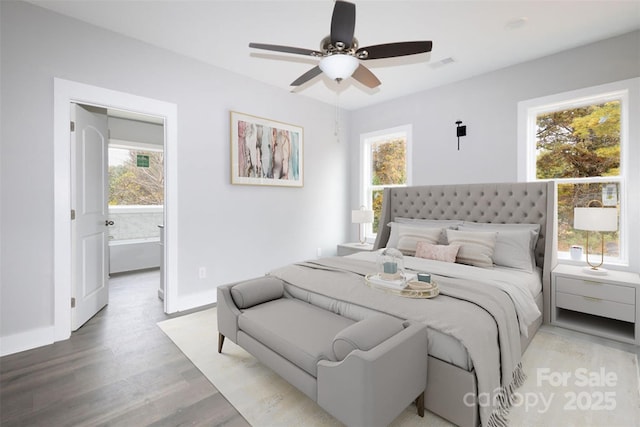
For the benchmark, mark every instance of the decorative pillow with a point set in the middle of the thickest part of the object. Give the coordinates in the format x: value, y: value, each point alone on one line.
x: 256, y: 291
x: 476, y: 247
x: 446, y: 253
x: 432, y: 223
x: 365, y: 334
x: 513, y: 247
x: 405, y: 237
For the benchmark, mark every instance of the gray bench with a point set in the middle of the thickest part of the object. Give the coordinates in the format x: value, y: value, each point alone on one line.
x: 364, y: 373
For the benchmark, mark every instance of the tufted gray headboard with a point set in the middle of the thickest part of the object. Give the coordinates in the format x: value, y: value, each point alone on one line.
x: 504, y: 203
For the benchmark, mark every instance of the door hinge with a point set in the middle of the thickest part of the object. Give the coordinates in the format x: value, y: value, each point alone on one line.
x: 73, y: 303
x: 73, y: 126
x: 73, y: 214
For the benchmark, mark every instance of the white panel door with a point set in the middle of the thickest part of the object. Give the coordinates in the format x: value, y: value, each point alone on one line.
x: 89, y: 190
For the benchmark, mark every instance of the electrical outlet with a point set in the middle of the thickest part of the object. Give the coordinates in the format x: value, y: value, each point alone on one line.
x: 202, y: 273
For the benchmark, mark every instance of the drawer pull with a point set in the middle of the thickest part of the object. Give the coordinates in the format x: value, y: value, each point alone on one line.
x: 591, y: 298
x: 591, y: 282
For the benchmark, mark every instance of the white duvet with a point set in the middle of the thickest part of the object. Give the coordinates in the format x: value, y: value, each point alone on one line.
x: 521, y: 286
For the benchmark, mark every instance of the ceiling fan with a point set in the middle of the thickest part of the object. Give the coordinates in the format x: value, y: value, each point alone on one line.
x: 340, y: 54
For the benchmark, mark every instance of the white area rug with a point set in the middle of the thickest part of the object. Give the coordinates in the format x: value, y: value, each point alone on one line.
x: 570, y: 382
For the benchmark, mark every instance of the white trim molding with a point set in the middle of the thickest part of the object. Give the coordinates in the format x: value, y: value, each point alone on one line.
x: 26, y: 340
x: 628, y: 92
x: 66, y: 92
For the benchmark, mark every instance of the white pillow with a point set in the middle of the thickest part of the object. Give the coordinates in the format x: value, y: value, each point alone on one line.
x: 513, y: 247
x: 489, y: 226
x: 476, y: 247
x: 405, y: 237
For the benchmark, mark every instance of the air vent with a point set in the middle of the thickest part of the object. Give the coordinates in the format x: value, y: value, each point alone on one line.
x: 442, y: 62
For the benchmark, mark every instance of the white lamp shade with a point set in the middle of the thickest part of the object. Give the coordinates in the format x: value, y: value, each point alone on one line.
x: 595, y: 219
x: 339, y: 66
x: 361, y: 216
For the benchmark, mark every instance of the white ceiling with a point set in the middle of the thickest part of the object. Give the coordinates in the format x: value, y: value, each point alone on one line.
x: 480, y: 36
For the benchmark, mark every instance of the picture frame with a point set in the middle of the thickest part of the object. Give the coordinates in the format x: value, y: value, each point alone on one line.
x: 266, y: 152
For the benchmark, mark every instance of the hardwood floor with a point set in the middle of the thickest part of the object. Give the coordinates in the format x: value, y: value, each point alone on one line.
x: 119, y: 369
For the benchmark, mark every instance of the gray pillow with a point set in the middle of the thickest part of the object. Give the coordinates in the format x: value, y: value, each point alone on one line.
x: 256, y: 291
x: 405, y: 237
x: 365, y: 334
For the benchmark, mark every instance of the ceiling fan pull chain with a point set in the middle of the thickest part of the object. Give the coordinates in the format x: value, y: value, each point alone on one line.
x: 336, y: 132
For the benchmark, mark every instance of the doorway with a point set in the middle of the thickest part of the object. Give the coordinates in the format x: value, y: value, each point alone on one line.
x: 117, y: 195
x: 66, y: 92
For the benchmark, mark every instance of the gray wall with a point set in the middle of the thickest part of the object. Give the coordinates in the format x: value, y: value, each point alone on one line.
x: 488, y: 106
x: 234, y: 231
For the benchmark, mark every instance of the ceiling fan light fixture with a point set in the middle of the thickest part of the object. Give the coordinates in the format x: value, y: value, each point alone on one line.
x: 339, y: 66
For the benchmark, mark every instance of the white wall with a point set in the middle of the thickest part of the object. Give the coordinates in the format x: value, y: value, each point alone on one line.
x: 488, y: 106
x: 235, y: 232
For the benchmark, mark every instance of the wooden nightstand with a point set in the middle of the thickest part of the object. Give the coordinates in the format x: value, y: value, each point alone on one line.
x: 605, y: 305
x: 352, y: 248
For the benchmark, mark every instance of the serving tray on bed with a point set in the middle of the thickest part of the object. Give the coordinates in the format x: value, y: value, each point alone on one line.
x: 406, y: 289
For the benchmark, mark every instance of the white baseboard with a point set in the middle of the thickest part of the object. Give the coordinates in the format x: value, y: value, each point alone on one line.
x: 34, y: 338
x: 197, y: 300
x: 16, y: 343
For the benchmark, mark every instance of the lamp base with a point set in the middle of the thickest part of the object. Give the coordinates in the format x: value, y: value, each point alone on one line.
x: 597, y: 271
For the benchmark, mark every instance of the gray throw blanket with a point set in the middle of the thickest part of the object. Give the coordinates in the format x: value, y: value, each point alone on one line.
x: 482, y: 318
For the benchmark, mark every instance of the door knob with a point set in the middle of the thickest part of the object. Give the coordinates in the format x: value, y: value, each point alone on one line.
x: 107, y: 222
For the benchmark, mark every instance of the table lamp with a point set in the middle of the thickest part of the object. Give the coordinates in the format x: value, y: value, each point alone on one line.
x: 361, y: 216
x: 595, y: 219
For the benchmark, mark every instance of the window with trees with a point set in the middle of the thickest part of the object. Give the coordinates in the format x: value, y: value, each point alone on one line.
x: 579, y: 144
x: 385, y: 163
x: 136, y: 175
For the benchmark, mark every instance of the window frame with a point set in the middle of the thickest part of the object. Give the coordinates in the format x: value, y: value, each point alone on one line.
x: 367, y: 189
x: 527, y: 154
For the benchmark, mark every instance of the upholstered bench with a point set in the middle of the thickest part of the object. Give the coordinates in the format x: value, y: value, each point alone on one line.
x: 364, y: 373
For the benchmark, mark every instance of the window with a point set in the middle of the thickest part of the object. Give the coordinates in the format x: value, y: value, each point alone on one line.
x: 384, y: 163
x: 578, y: 140
x: 136, y: 190
x: 136, y: 175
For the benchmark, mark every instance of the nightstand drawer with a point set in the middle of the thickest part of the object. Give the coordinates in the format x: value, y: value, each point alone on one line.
x: 603, y: 291
x: 599, y: 307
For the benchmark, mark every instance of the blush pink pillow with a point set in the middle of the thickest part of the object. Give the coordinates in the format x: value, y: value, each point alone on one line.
x: 446, y: 253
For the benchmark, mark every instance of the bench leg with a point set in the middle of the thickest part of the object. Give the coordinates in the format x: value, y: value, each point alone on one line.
x: 420, y: 404
x: 221, y: 342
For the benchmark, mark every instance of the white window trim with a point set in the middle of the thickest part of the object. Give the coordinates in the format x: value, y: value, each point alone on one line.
x: 627, y: 91
x: 366, y: 140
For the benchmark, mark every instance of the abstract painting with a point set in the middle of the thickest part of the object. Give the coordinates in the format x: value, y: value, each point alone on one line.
x: 265, y: 152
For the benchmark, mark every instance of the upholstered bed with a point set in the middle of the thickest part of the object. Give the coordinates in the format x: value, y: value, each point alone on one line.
x: 453, y: 390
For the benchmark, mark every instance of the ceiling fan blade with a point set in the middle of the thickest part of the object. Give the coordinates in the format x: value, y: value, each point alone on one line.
x: 307, y: 76
x: 286, y: 49
x: 390, y: 50
x: 366, y: 77
x: 343, y: 23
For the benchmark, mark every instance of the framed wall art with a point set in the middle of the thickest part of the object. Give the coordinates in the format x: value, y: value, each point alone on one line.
x: 266, y: 152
